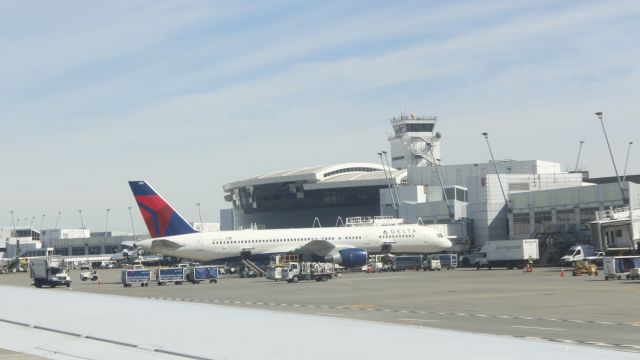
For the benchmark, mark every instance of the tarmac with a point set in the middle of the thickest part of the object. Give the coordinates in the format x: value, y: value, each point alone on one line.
x: 539, y: 305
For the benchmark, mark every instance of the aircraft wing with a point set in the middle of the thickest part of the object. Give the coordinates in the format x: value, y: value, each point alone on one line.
x: 82, y: 332
x: 320, y: 247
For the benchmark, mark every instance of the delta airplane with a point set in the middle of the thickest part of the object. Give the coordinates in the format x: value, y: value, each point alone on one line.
x: 348, y: 246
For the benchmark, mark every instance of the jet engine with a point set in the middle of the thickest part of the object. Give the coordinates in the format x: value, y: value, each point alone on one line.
x: 125, y: 252
x: 349, y: 258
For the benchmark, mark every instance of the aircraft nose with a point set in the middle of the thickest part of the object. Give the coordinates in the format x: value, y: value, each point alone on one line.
x: 446, y: 243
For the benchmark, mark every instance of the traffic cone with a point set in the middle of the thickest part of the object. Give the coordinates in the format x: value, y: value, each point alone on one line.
x: 561, y: 272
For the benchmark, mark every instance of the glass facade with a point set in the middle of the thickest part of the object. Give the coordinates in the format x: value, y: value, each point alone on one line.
x: 403, y: 128
x: 110, y: 249
x: 61, y: 251
x: 541, y: 220
x: 566, y: 216
x: 586, y: 216
x: 95, y: 250
x: 285, y: 196
x: 521, y: 223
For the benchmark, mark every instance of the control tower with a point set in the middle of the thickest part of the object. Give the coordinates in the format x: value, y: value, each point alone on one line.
x: 413, y: 142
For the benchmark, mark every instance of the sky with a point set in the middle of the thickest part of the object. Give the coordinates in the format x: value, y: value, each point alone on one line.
x: 191, y: 95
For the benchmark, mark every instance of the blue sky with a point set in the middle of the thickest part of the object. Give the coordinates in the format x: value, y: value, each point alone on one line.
x: 191, y: 95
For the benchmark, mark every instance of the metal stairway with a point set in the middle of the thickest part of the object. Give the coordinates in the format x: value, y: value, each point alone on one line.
x: 553, y: 240
x: 251, y: 265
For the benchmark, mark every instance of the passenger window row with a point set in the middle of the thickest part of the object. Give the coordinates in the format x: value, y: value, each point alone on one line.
x: 220, y: 242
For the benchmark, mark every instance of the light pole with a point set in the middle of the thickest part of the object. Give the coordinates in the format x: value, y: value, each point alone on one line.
x: 626, y: 162
x: 58, y: 219
x: 106, y: 229
x: 599, y: 115
x: 579, y: 152
x: 82, y: 228
x: 393, y: 180
x: 13, y: 221
x: 81, y: 220
x: 106, y: 226
x: 486, y: 137
x: 384, y: 168
x: 133, y: 230
x: 200, y: 215
x: 41, y: 221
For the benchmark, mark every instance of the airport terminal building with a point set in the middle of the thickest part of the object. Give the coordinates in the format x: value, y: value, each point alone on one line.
x: 301, y: 197
x: 508, y: 199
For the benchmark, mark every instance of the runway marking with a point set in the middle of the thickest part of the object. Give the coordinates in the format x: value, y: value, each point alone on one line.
x: 420, y: 320
x: 373, y: 307
x: 597, y: 343
x: 536, y: 327
x: 565, y: 341
x: 329, y: 314
x: 380, y: 278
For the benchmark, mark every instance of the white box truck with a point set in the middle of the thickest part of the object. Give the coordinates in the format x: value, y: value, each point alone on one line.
x: 507, y: 253
x: 48, y: 271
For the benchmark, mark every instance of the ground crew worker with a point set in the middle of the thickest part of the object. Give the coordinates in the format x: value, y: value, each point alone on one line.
x: 530, y: 264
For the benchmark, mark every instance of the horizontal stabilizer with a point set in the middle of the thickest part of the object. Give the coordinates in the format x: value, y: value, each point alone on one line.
x: 165, y: 244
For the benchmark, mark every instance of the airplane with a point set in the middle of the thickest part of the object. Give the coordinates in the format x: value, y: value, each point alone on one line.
x: 8, y: 264
x: 347, y: 246
x: 131, y: 254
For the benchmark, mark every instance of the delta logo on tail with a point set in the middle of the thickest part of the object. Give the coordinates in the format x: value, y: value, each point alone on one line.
x: 160, y: 217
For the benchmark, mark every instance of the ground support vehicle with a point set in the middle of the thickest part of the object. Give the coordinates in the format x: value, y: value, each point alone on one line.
x: 597, y: 259
x: 135, y: 276
x: 616, y: 267
x: 175, y: 275
x: 278, y: 263
x: 577, y: 253
x: 89, y: 275
x: 431, y: 264
x: 448, y: 261
x: 48, y: 271
x: 507, y: 253
x: 274, y: 272
x: 202, y: 273
x: 295, y: 272
x: 634, y: 274
x: 584, y: 267
x: 407, y: 262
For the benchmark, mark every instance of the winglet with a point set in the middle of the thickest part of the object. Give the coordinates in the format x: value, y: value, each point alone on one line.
x: 160, y: 217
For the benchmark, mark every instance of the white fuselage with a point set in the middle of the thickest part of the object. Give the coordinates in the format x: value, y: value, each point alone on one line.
x: 205, y: 246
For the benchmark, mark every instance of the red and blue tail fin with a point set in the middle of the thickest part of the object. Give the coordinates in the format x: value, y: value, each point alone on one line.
x: 159, y: 216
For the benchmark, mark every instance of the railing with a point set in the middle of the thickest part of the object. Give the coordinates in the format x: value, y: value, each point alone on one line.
x: 251, y: 265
